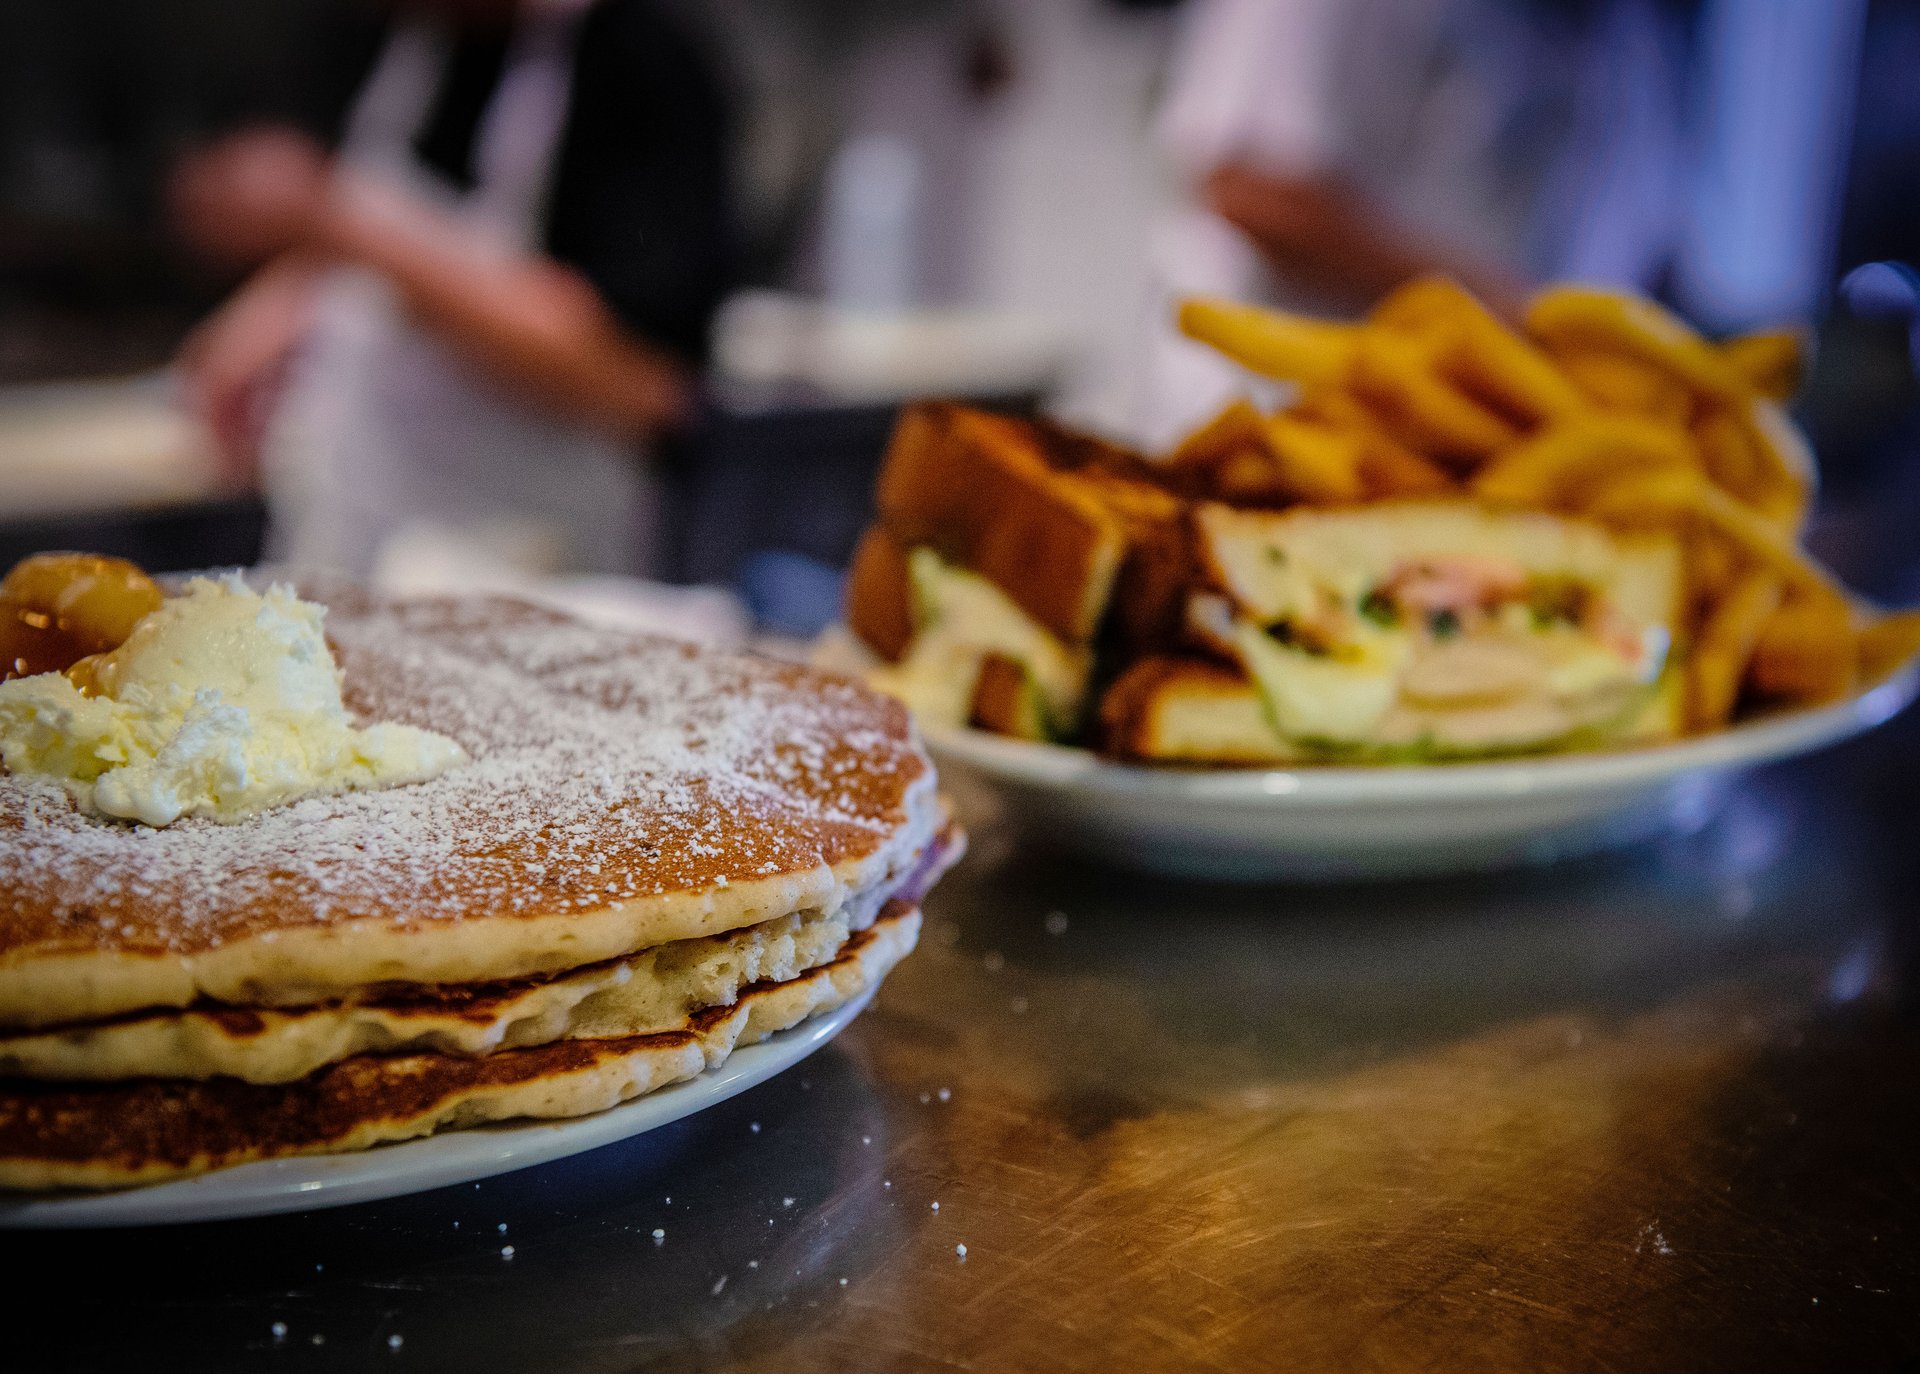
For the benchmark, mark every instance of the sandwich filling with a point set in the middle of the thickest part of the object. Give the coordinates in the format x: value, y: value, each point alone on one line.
x: 960, y: 621
x: 1439, y: 630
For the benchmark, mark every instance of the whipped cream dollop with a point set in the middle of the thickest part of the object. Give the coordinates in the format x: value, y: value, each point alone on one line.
x: 222, y: 703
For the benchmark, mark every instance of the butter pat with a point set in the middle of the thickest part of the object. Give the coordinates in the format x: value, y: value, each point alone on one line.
x: 222, y: 703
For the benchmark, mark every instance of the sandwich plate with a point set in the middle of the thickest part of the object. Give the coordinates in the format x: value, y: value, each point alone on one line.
x: 1380, y: 822
x: 308, y: 1183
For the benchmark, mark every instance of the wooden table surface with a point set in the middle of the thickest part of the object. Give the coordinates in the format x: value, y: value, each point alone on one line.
x: 1653, y: 1111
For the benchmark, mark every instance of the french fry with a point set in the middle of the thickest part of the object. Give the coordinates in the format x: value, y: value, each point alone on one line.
x: 1250, y: 477
x: 1772, y: 361
x: 1732, y: 456
x: 1236, y: 427
x: 1756, y: 455
x: 1573, y: 318
x: 1292, y: 348
x: 1667, y: 500
x: 1492, y: 364
x: 1230, y: 458
x: 1419, y: 304
x: 1474, y: 349
x: 1785, y: 486
x: 1244, y: 457
x: 1805, y: 652
x: 1710, y: 564
x: 1886, y: 645
x: 1628, y: 385
x: 1718, y: 661
x: 1389, y: 469
x: 1559, y: 465
x: 1318, y: 463
x: 1334, y: 405
x: 1396, y: 379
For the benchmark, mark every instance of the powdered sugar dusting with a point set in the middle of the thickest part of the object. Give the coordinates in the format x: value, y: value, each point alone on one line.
x: 606, y: 766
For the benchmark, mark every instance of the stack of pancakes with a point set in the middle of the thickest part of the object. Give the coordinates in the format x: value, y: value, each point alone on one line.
x: 658, y: 853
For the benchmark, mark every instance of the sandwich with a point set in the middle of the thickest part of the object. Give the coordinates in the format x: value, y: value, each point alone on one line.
x: 981, y: 589
x: 1464, y: 536
x: 1408, y: 631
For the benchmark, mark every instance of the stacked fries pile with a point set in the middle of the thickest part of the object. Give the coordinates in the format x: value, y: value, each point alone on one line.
x: 1600, y: 405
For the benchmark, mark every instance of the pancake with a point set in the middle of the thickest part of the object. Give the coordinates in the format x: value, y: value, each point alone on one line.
x: 625, y: 791
x: 651, y: 991
x: 113, y: 1135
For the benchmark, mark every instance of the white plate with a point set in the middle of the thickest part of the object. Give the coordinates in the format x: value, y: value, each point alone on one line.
x: 1328, y: 822
x: 307, y: 1183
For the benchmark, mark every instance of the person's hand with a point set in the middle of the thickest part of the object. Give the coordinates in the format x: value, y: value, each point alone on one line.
x: 1330, y: 236
x: 251, y: 196
x: 1290, y: 216
x: 233, y: 365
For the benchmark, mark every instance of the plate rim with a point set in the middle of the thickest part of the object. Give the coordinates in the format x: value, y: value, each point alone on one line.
x: 306, y: 1183
x: 1770, y: 738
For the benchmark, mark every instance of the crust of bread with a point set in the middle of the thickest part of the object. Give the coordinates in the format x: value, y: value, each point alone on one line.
x: 1171, y: 709
x: 1159, y: 564
x: 1004, y: 701
x: 978, y: 488
x: 879, y: 594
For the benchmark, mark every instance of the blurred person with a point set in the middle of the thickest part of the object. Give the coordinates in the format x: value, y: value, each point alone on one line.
x: 479, y: 311
x: 1335, y: 148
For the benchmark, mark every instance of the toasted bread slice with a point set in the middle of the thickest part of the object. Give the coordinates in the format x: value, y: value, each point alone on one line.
x: 1189, y: 710
x: 978, y: 488
x: 974, y: 657
x: 1006, y: 701
x: 1159, y: 565
x: 1079, y: 451
x: 880, y: 595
